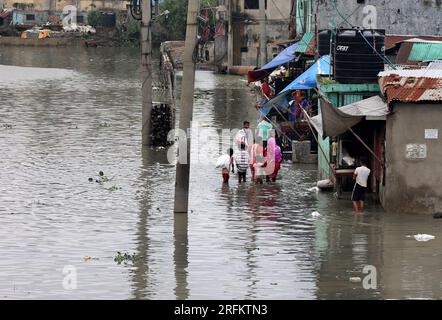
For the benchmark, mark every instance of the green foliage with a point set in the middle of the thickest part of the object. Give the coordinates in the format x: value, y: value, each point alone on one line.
x: 94, y: 18
x: 326, y: 81
x: 133, y: 29
x: 125, y: 258
x: 175, y: 23
x: 129, y: 34
x: 174, y: 26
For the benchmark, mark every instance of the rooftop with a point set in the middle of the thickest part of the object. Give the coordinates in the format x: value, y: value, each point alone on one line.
x: 411, y: 85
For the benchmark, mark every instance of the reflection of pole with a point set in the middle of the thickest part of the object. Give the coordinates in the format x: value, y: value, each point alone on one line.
x: 146, y: 69
x: 230, y: 38
x: 180, y: 256
x: 263, y: 36
x: 186, y: 109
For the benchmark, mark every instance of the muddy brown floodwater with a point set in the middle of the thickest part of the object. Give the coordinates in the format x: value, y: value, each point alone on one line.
x: 80, y: 113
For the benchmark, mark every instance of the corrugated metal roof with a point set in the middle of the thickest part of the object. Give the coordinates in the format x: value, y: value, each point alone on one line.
x: 391, y: 40
x: 423, y: 51
x: 435, y: 65
x: 411, y: 85
x: 404, y: 53
x: 304, y: 44
x: 419, y: 40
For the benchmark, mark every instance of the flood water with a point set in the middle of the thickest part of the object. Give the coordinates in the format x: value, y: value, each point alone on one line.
x: 80, y: 113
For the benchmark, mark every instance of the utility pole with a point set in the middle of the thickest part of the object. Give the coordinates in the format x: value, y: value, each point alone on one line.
x: 263, y: 36
x: 230, y: 37
x: 186, y: 108
x: 146, y: 70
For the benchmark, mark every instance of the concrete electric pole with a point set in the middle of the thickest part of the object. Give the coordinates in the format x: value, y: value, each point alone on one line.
x: 263, y: 36
x: 186, y: 108
x: 146, y: 70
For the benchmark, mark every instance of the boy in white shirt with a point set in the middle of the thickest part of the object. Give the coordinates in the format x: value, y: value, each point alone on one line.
x: 361, y: 176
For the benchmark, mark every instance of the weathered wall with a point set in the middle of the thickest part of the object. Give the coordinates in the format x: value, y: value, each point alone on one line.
x: 421, y: 17
x: 57, y: 6
x: 413, y: 185
x: 250, y: 35
x: 246, y: 31
x: 276, y: 9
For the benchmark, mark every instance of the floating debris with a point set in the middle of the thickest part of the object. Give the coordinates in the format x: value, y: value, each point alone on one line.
x: 113, y: 188
x: 355, y: 279
x: 104, y: 125
x: 316, y: 214
x: 423, y: 237
x: 125, y: 258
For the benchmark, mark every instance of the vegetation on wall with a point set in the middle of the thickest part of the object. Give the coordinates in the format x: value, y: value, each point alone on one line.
x: 94, y: 18
x: 174, y: 26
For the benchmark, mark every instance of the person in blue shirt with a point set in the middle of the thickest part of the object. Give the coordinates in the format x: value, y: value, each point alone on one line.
x: 303, y: 105
x: 292, y: 108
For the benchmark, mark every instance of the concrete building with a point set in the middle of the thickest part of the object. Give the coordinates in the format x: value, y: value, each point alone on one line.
x: 38, y: 11
x: 413, y: 146
x: 395, y: 16
x: 243, y: 16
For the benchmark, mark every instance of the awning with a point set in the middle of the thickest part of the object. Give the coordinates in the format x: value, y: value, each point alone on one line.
x: 335, y: 121
x: 281, y: 104
x: 307, y: 80
x: 287, y: 55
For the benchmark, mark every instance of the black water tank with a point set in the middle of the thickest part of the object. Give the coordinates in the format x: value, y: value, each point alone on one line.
x: 324, y: 42
x: 108, y: 19
x: 356, y: 61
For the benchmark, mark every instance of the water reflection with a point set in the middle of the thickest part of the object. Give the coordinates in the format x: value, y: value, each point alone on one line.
x: 238, y: 241
x: 180, y: 256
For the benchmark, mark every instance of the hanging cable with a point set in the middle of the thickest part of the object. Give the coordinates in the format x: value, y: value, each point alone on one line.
x: 339, y: 13
x: 383, y: 57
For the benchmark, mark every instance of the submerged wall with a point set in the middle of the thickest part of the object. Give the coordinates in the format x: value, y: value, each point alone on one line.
x: 413, y: 162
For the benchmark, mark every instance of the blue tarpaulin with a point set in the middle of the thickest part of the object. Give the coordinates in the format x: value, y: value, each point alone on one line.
x: 305, y: 81
x: 281, y: 104
x: 287, y: 55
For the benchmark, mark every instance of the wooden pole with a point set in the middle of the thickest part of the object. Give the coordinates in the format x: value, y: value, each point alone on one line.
x: 186, y: 108
x: 332, y: 170
x: 146, y: 71
x: 263, y: 31
x: 367, y: 147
